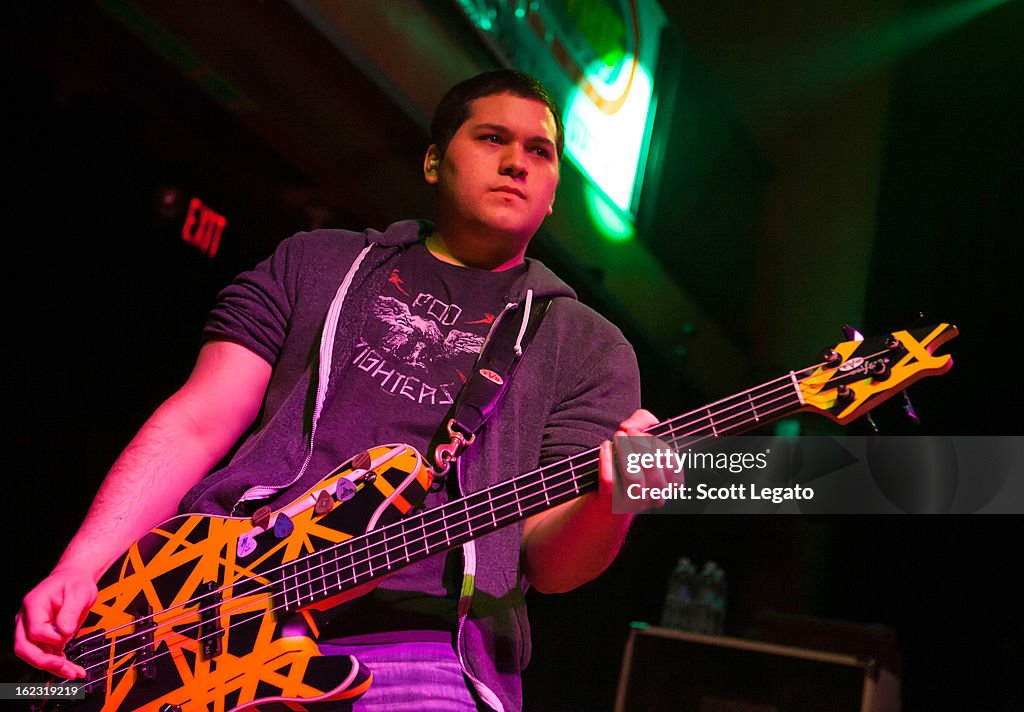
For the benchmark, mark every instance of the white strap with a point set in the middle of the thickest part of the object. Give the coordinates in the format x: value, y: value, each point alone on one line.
x: 323, y: 378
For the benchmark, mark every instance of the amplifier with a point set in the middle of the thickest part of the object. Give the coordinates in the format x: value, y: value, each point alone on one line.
x: 666, y: 669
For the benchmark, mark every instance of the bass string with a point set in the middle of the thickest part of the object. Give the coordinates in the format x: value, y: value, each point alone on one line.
x: 668, y: 428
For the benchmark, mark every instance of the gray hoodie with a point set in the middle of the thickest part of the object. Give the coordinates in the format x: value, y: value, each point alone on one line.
x: 576, y: 383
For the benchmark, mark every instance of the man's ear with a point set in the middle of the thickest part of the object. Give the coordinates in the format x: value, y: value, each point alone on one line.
x: 431, y: 162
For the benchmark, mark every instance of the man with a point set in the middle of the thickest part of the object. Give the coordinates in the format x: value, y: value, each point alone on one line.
x: 341, y: 341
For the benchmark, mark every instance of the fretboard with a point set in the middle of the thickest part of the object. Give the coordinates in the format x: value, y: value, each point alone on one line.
x: 367, y: 557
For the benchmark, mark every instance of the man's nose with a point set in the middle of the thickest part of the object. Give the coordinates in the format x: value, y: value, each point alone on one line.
x: 513, y: 161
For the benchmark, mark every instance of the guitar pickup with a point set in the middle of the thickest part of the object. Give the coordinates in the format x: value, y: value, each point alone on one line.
x: 145, y: 628
x: 210, y: 630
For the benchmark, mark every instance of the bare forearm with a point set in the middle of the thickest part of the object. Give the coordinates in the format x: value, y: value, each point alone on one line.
x: 142, y: 489
x: 572, y: 544
x: 186, y: 437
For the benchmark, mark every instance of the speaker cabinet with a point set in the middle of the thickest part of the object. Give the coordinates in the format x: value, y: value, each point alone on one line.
x: 664, y: 669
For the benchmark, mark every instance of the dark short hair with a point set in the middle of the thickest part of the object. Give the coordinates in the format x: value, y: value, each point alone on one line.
x: 454, y: 107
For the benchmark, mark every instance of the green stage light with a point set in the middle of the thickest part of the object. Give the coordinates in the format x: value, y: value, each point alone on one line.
x: 606, y: 126
x: 607, y: 218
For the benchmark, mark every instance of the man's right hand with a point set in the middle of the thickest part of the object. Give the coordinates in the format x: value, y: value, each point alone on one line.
x: 50, y: 615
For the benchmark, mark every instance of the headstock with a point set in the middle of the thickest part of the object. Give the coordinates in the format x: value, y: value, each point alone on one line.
x: 857, y: 375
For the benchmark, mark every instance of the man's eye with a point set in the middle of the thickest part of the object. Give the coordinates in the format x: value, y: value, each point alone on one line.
x: 491, y: 138
x: 542, y: 152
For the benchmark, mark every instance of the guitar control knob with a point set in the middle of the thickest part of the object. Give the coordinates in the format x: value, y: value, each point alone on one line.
x: 892, y: 343
x: 880, y: 369
x: 168, y: 707
x: 830, y: 357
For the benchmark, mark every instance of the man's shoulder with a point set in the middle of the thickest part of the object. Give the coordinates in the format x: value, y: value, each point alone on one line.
x: 576, y: 320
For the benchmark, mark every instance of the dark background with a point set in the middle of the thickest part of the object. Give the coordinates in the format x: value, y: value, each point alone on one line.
x: 105, y: 303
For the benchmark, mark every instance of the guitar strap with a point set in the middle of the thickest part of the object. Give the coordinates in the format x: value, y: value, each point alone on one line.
x: 499, y: 358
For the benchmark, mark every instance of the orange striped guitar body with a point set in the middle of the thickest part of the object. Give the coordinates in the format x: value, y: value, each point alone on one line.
x: 204, y: 613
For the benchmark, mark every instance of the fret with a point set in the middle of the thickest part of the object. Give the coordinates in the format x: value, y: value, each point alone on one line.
x: 336, y: 560
x: 503, y: 509
x: 516, y: 489
x: 738, y: 413
x: 488, y: 506
x: 364, y: 568
x: 314, y: 583
x: 711, y: 421
x: 282, y: 588
x: 292, y: 584
x: 305, y: 586
x: 434, y: 532
x: 773, y: 399
x: 311, y: 581
x: 405, y: 537
x: 444, y: 529
x: 515, y: 496
x: 378, y: 553
x: 322, y: 574
x: 412, y: 539
x: 575, y: 480
x: 413, y: 542
x: 456, y: 531
x: 530, y: 496
x: 796, y: 387
x: 344, y: 564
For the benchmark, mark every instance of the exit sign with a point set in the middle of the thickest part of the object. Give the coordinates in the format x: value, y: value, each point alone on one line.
x: 203, y: 227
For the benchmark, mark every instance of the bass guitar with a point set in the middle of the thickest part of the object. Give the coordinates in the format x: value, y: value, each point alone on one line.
x: 221, y: 613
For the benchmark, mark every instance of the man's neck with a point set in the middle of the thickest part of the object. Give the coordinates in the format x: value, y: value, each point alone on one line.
x: 471, y: 253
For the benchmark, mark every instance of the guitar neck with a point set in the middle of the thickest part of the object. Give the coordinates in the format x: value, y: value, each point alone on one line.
x: 367, y: 557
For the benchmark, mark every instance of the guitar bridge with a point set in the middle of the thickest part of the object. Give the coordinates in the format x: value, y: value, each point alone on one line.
x: 92, y: 657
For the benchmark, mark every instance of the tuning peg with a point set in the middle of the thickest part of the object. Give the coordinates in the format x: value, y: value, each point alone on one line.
x: 852, y: 334
x: 908, y: 408
x: 844, y: 396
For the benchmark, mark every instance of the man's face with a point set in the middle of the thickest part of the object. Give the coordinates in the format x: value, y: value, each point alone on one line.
x: 500, y: 170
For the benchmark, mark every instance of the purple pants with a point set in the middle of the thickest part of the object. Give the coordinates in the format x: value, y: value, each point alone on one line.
x: 409, y: 677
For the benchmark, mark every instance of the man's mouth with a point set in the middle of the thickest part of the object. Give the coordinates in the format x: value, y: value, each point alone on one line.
x: 510, y: 189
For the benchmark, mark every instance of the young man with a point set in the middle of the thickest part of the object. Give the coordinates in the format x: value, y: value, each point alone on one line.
x: 342, y: 341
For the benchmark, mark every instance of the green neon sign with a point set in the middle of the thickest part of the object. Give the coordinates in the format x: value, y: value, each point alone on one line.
x: 598, y: 57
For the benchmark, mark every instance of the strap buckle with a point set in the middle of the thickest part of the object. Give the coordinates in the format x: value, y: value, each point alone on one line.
x: 447, y: 453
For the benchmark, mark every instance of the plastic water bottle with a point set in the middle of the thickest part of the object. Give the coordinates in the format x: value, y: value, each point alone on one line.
x: 709, y: 600
x: 720, y: 588
x: 677, y: 611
